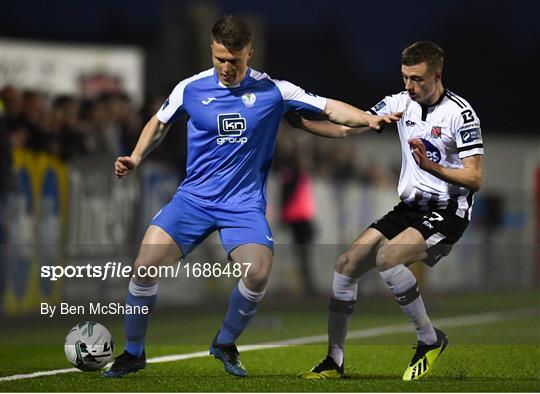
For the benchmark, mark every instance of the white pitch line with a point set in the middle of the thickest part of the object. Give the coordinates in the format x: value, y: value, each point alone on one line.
x: 456, y: 321
x: 38, y: 374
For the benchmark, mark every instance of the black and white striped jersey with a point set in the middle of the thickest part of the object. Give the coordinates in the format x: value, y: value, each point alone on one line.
x: 450, y: 131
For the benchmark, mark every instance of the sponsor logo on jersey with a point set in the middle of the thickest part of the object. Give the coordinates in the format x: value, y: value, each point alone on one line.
x: 230, y: 129
x: 249, y: 99
x: 436, y: 131
x: 433, y: 153
x: 410, y: 123
x: 470, y: 135
x: 428, y: 224
x: 208, y: 100
x: 380, y: 105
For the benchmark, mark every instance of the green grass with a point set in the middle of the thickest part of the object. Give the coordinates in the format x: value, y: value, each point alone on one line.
x: 496, y: 357
x: 372, y: 368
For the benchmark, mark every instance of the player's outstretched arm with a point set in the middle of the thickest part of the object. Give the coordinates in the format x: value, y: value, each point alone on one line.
x: 347, y: 115
x: 322, y: 128
x: 331, y: 130
x: 470, y: 176
x: 152, y: 134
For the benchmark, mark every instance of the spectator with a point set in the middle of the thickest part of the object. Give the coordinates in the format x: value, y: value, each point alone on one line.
x: 62, y: 127
x: 93, y: 117
x: 33, y: 111
x: 298, y: 209
x: 15, y: 127
x: 12, y: 99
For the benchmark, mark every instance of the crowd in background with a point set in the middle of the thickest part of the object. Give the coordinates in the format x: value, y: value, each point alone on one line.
x: 109, y: 124
x: 68, y: 126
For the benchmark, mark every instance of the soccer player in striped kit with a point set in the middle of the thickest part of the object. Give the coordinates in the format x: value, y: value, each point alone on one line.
x: 441, y: 170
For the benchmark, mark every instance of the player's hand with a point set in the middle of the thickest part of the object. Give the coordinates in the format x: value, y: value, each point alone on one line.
x: 124, y: 165
x: 420, y: 154
x: 377, y: 122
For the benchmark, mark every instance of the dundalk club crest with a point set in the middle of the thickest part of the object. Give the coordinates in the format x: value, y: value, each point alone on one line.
x: 436, y: 131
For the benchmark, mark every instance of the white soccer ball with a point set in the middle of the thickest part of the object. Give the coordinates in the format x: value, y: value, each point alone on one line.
x: 89, y: 346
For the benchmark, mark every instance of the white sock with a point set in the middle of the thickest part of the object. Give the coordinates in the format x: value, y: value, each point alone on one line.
x: 403, y: 284
x: 251, y: 295
x: 344, y: 293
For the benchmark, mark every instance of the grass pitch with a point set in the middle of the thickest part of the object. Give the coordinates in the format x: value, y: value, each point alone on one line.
x: 495, y: 356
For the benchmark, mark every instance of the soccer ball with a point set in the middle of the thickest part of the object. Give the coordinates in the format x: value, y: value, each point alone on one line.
x: 89, y: 346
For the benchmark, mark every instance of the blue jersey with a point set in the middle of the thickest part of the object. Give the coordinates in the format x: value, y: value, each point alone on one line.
x: 232, y: 132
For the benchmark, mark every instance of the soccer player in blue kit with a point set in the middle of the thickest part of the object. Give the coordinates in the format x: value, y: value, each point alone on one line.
x: 234, y: 116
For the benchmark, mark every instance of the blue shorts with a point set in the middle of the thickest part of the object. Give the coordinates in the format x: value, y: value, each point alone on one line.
x: 189, y: 220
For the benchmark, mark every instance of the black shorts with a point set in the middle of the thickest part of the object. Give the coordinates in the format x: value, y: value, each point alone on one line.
x: 440, y: 228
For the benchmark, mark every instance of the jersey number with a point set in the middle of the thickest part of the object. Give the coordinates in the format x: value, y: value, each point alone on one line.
x: 435, y: 217
x: 467, y: 116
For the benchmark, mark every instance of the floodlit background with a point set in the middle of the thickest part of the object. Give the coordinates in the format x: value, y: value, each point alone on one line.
x: 79, y: 80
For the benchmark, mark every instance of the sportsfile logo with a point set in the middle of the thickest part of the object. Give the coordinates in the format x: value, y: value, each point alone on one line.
x: 230, y: 128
